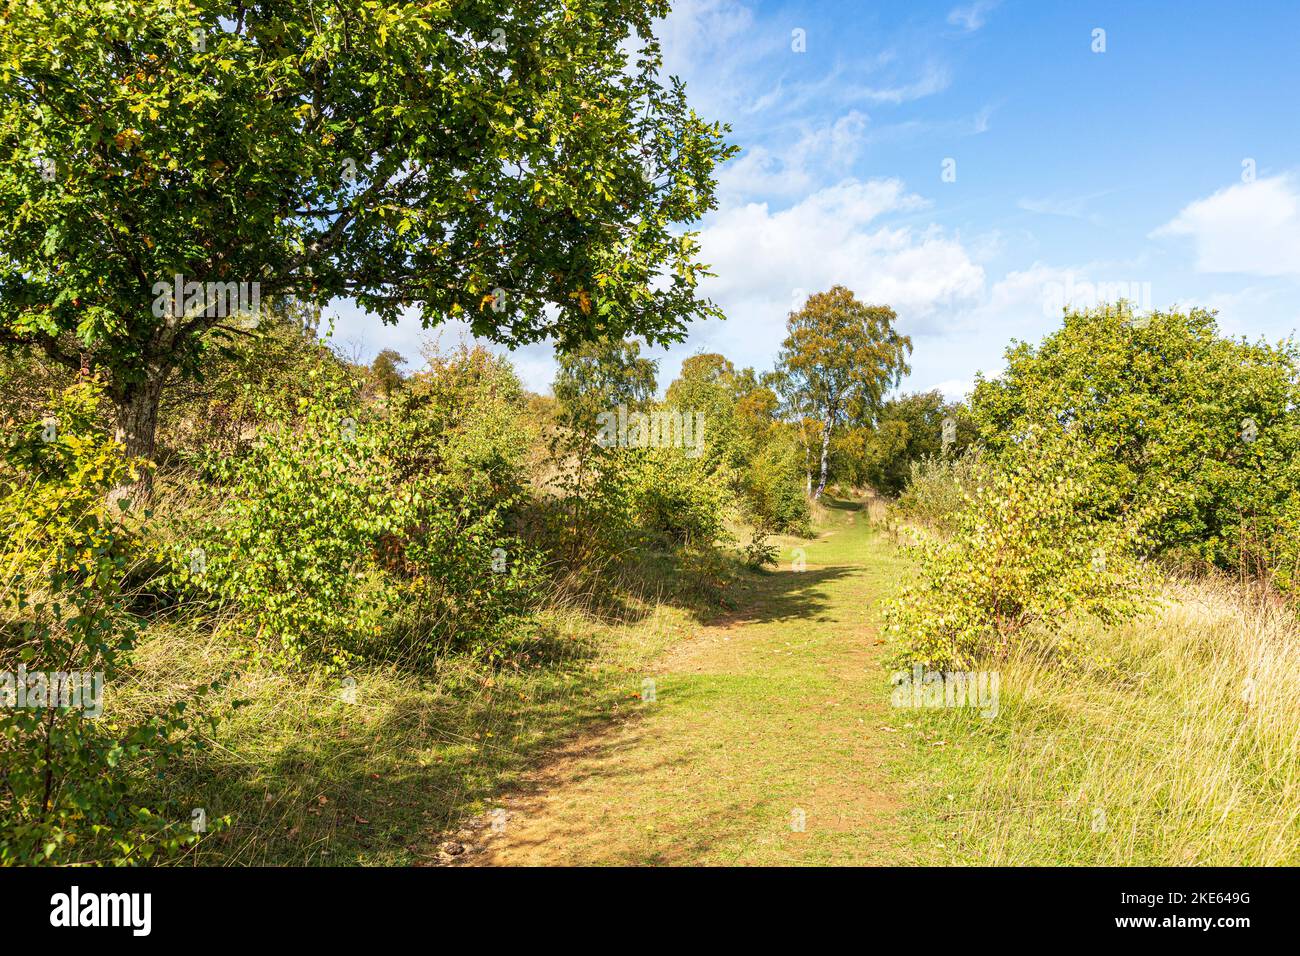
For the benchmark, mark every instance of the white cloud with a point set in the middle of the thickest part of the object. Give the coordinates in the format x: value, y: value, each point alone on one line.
x: 971, y: 18
x: 717, y: 48
x: 1069, y: 207
x: 935, y: 79
x: 1249, y: 228
x: 1028, y: 302
x: 698, y: 30
x: 954, y: 389
x: 767, y: 262
x: 820, y: 154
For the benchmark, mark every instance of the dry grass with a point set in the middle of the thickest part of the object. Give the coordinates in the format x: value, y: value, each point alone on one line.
x: 1185, y: 749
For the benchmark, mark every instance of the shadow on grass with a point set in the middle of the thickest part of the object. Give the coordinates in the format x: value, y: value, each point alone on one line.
x: 313, y: 780
x: 644, y: 818
x: 318, y: 781
x: 840, y: 504
x: 786, y: 595
x: 376, y: 783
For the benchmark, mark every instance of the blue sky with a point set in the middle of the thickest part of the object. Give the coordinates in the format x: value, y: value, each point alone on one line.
x: 1166, y: 166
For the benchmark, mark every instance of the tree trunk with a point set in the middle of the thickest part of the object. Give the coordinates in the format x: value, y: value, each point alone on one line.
x: 826, y: 444
x: 137, y: 430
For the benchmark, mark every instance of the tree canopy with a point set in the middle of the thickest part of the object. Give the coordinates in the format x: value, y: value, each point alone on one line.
x: 837, y: 362
x: 522, y: 166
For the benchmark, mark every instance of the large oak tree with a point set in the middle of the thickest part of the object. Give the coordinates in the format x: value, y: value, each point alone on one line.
x: 519, y: 164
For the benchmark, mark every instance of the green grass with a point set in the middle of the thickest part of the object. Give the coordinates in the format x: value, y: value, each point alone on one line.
x: 773, y: 703
x: 1156, y: 759
x: 309, y: 778
x: 771, y: 709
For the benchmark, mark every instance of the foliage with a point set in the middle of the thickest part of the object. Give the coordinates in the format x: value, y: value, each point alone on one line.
x: 386, y: 372
x: 523, y: 167
x: 937, y: 488
x: 707, y: 385
x: 1028, y: 550
x: 907, y: 429
x: 837, y: 361
x: 290, y: 546
x: 760, y: 552
x: 1205, y: 427
x: 462, y: 418
x: 598, y: 377
x: 67, y: 766
x: 243, y: 385
x: 333, y: 499
x: 752, y: 453
x: 671, y: 499
x: 773, y: 485
x: 592, y: 382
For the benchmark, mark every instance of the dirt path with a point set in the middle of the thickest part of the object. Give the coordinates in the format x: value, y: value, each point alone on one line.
x: 764, y: 745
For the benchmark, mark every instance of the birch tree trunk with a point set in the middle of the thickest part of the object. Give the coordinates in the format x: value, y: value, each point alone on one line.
x: 826, y: 444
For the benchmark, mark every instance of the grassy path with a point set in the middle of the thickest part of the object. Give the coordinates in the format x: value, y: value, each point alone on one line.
x: 770, y: 715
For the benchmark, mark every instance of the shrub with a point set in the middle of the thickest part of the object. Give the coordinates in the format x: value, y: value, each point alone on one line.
x: 753, y: 454
x: 671, y: 499
x: 463, y: 417
x: 66, y: 767
x: 1026, y: 551
x: 773, y: 486
x: 304, y: 508
x: 248, y: 379
x: 907, y: 429
x: 1206, y: 426
x: 760, y: 552
x: 338, y: 526
x: 936, y: 490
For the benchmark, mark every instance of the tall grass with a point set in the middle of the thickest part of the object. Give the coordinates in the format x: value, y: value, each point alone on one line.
x: 1183, y: 749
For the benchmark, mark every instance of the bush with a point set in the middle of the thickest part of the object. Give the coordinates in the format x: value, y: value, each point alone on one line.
x: 937, y: 488
x: 304, y: 509
x: 760, y: 552
x: 1203, y: 425
x: 773, y: 487
x: 1027, y: 550
x: 339, y: 526
x: 907, y: 429
x: 672, y: 500
x: 745, y: 447
x: 66, y: 768
x: 246, y: 376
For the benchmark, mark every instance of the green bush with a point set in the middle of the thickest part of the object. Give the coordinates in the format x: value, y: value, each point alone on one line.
x: 672, y: 500
x: 773, y: 486
x: 936, y: 490
x: 340, y: 526
x: 753, y: 454
x: 1205, y: 426
x: 303, y: 509
x: 760, y: 552
x: 246, y: 376
x: 1027, y: 549
x: 69, y: 765
x: 907, y: 429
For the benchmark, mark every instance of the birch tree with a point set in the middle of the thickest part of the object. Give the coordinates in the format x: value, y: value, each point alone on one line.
x: 839, y: 359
